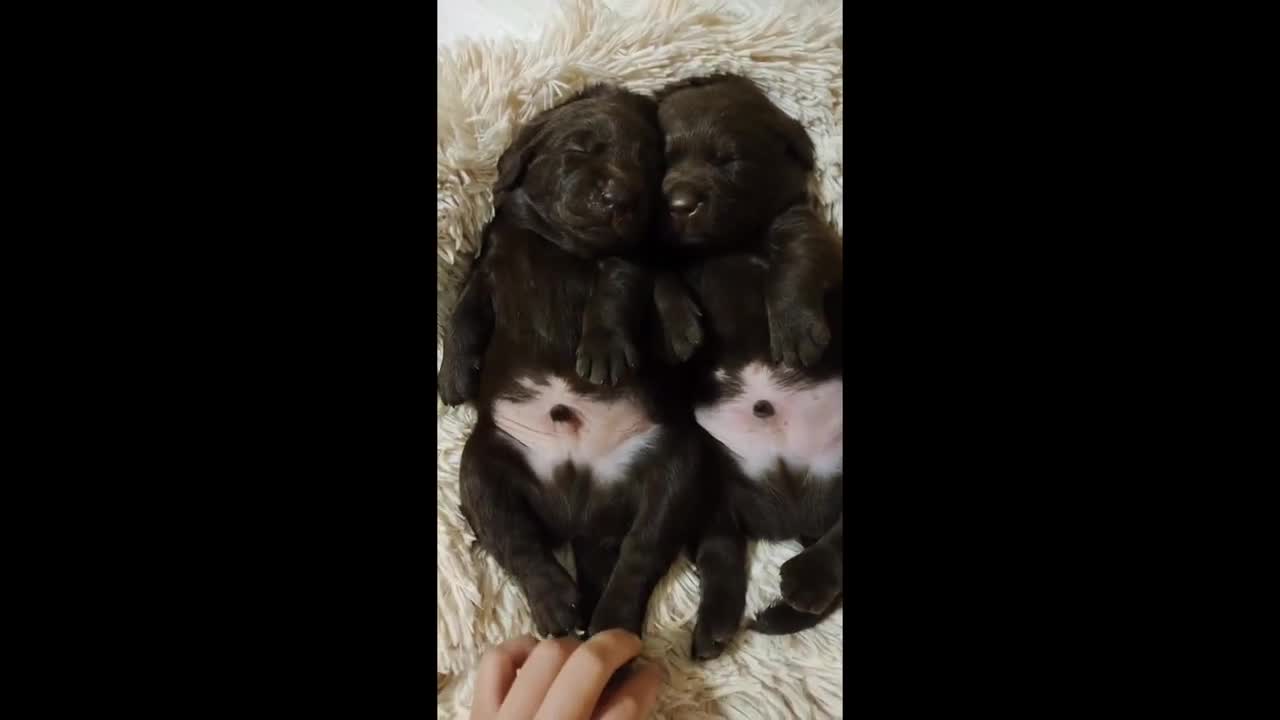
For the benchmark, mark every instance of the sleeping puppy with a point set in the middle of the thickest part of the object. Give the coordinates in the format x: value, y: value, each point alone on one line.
x: 765, y: 270
x: 573, y: 444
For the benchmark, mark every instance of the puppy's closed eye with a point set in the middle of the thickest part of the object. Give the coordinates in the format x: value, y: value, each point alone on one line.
x: 584, y: 143
x: 594, y: 148
x: 723, y: 158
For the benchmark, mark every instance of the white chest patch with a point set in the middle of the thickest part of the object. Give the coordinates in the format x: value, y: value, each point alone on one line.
x: 558, y: 426
x: 801, y: 427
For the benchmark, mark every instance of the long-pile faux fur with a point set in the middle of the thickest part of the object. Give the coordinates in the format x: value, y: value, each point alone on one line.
x: 486, y: 90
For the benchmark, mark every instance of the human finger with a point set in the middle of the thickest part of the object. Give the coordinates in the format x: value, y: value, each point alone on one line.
x: 496, y: 672
x: 576, y: 689
x: 536, y: 677
x: 635, y: 697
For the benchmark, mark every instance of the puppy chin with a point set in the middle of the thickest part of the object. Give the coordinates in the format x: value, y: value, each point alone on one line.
x: 679, y: 226
x: 606, y: 239
x: 690, y: 247
x: 687, y: 231
x: 626, y: 225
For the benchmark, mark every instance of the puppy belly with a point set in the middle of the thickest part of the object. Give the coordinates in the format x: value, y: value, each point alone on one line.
x: 800, y: 426
x: 557, y: 426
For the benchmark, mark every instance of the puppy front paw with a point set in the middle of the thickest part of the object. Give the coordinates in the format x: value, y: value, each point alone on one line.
x: 458, y: 380
x: 812, y: 580
x: 605, y: 356
x: 798, y: 333
x: 681, y: 327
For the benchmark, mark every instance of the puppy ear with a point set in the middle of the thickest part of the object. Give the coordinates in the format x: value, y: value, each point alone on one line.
x: 796, y: 140
x: 645, y: 105
x: 701, y: 81
x: 514, y: 160
x: 799, y: 145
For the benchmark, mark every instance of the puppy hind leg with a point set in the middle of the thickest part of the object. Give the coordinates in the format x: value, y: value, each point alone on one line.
x: 491, y: 474
x: 721, y: 560
x: 595, y: 561
x: 667, y: 481
x: 812, y: 586
x: 812, y: 579
x: 782, y: 619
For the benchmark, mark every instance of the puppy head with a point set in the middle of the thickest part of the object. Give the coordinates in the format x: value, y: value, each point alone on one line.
x: 583, y: 173
x: 734, y: 160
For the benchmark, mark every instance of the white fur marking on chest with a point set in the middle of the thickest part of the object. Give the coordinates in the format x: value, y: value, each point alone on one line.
x: 805, y: 430
x: 603, y: 437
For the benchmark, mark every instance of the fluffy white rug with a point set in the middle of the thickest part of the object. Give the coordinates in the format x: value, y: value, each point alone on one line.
x: 486, y: 89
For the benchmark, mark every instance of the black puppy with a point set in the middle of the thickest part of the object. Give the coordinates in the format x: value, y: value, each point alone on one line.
x: 606, y: 463
x: 766, y: 271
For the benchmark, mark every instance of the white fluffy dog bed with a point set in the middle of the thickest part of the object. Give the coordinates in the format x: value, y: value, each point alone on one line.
x: 486, y: 90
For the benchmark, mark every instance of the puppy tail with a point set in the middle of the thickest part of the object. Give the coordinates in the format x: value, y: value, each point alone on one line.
x: 782, y: 619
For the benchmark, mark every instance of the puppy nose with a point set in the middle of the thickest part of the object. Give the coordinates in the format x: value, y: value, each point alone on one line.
x: 683, y: 201
x: 615, y: 196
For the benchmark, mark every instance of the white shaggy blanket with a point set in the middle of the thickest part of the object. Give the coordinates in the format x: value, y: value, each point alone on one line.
x: 486, y: 90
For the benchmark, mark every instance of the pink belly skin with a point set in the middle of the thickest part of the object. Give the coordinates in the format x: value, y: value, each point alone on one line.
x: 604, y: 438
x: 805, y: 430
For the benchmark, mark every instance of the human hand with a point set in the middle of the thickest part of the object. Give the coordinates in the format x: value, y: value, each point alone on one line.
x: 563, y: 679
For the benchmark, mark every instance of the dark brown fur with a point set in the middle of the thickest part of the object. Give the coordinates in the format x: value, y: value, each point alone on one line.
x: 765, y: 271
x: 560, y: 288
